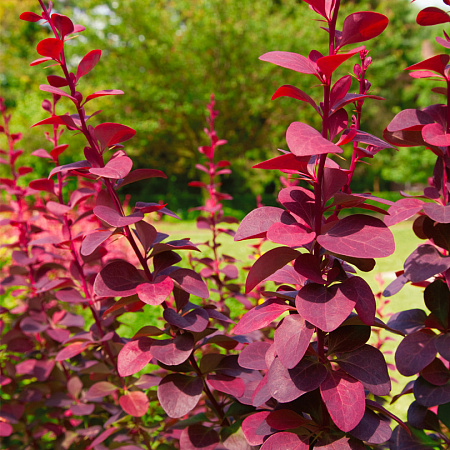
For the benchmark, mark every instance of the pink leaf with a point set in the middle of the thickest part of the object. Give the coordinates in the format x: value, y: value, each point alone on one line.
x: 261, y: 316
x: 109, y: 133
x: 432, y: 16
x: 190, y: 282
x: 102, y: 437
x: 100, y: 390
x: 115, y: 169
x: 88, y: 62
x: 173, y: 351
x: 289, y: 60
x: 71, y: 350
x: 344, y: 398
x: 409, y: 119
x: 229, y: 385
x: 112, y: 217
x: 295, y: 235
x: 360, y: 236
x: 118, y: 278
x: 103, y: 93
x: 134, y: 356
x: 93, y: 240
x: 304, y: 140
x: 250, y: 427
x: 155, y: 293
x: 439, y: 213
x: 403, y: 209
x: 362, y: 26
x: 269, y: 263
x: 257, y: 222
x: 5, y: 428
x: 253, y: 356
x: 134, y: 403
x: 425, y: 262
x: 179, y: 394
x: 284, y: 440
x: 50, y: 48
x: 435, y: 134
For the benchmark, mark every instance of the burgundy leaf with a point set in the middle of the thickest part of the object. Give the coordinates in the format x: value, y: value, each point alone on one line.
x: 432, y: 16
x: 344, y: 398
x: 190, y: 282
x: 134, y: 356
x: 250, y: 427
x: 408, y: 321
x: 373, y: 428
x: 436, y: 373
x: 293, y: 92
x: 50, y: 48
x: 134, y: 403
x: 294, y: 235
x: 141, y: 174
x: 260, y: 316
x: 112, y: 217
x: 285, y: 441
x: 435, y: 134
x: 326, y: 307
x: 109, y: 133
x: 365, y: 304
x: 102, y: 437
x: 155, y: 293
x: 415, y: 352
x: 300, y: 202
x: 72, y: 166
x: 439, y: 213
x: 429, y: 395
x: 269, y: 263
x: 229, y: 385
x: 403, y: 209
x: 347, y: 338
x: 436, y: 63
x: 179, y: 394
x: 118, y: 278
x: 362, y: 26
x: 304, y: 140
x: 257, y: 222
x: 285, y: 385
x: 199, y: 437
x: 103, y: 93
x: 424, y: 262
x: 93, y: 240
x: 442, y: 345
x: 43, y: 184
x: 289, y: 60
x: 285, y: 419
x: 115, y: 169
x: 81, y: 409
x: 146, y: 234
x: 70, y: 296
x: 88, y: 62
x: 360, y: 236
x: 253, y: 356
x: 436, y: 296
x: 173, y: 351
x: 100, y: 389
x: 334, y: 180
x: 71, y: 350
x: 63, y: 24
x: 367, y: 365
x: 292, y: 339
x: 195, y: 320
x: 308, y: 266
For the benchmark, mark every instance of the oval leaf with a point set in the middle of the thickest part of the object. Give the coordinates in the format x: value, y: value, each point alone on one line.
x: 134, y: 403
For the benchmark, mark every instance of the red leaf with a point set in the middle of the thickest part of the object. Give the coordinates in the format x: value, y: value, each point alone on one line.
x: 56, y: 151
x: 328, y: 64
x: 109, y: 133
x: 198, y: 437
x: 71, y: 350
x: 54, y: 90
x: 344, y: 399
x: 360, y: 236
x: 362, y: 26
x: 115, y: 169
x: 293, y: 92
x: 326, y: 307
x: 304, y: 140
x: 261, y: 316
x: 118, y: 278
x: 173, y: 351
x: 112, y: 217
x: 134, y: 356
x: 229, y: 385
x: 403, y: 209
x: 39, y: 61
x: 50, y: 48
x: 41, y: 153
x: 432, y: 16
x: 179, y: 394
x: 88, y: 62
x: 289, y: 60
x: 103, y: 93
x: 250, y: 427
x: 134, y: 403
x: 155, y: 293
x: 43, y: 184
x: 30, y: 17
x: 292, y: 339
x: 287, y: 162
x: 436, y: 63
x: 269, y: 263
x: 56, y: 81
x: 63, y: 24
x: 256, y: 223
x: 435, y: 134
x: 285, y: 419
x: 284, y: 440
x: 102, y: 437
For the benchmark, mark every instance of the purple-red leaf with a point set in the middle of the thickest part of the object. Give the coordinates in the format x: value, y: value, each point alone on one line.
x: 415, y: 352
x: 43, y: 184
x: 293, y: 92
x: 292, y: 339
x: 141, y: 174
x: 434, y: 134
x: 30, y: 16
x: 154, y: 293
x: 287, y: 162
x: 294, y: 235
x: 328, y: 64
x: 88, y: 62
x: 362, y: 26
x: 289, y: 60
x: 195, y: 320
x: 179, y: 394
x: 115, y: 169
x: 191, y: 282
x: 373, y: 428
x: 425, y: 262
x: 134, y: 356
x: 344, y: 398
x: 63, y: 24
x: 285, y: 441
x: 269, y: 263
x: 253, y: 356
x: 429, y: 395
x: 71, y: 350
x: 227, y: 384
x: 117, y: 279
x: 436, y: 63
x: 173, y: 351
x: 432, y: 16
x: 112, y: 217
x: 109, y: 133
x: 250, y: 427
x: 403, y: 209
x: 304, y: 140
x: 93, y: 240
x: 103, y: 93
x: 134, y: 403
x: 257, y: 222
x: 100, y: 390
x: 50, y: 48
x: 261, y: 316
x: 360, y: 236
x: 199, y: 437
x: 439, y: 213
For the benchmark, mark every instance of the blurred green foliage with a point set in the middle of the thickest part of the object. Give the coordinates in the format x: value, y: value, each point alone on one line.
x: 168, y: 56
